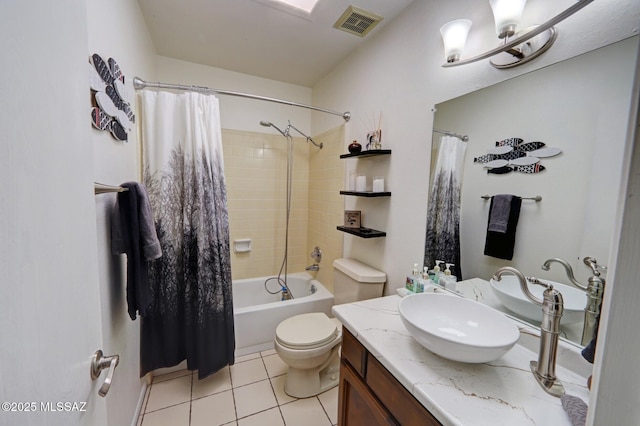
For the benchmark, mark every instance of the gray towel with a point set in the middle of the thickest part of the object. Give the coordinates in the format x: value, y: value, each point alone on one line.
x: 500, y: 213
x: 145, y: 227
x: 133, y: 232
x: 575, y: 408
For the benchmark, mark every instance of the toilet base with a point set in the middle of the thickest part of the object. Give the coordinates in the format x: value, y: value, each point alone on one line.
x: 305, y: 383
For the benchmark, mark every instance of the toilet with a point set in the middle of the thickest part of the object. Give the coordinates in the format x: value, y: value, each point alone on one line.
x: 309, y: 343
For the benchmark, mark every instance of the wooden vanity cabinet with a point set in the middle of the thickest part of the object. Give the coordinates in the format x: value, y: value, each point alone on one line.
x: 369, y: 395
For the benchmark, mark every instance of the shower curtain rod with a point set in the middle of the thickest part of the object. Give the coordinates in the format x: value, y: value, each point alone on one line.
x: 140, y: 84
x: 463, y: 138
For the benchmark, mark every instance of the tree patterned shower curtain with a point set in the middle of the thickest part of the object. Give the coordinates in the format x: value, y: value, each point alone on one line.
x: 443, y: 216
x: 191, y: 314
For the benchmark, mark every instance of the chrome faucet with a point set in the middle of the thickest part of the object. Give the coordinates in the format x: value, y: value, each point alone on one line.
x: 594, y: 290
x: 316, y: 255
x: 544, y: 370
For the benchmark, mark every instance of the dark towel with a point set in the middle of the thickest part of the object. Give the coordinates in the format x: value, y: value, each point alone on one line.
x: 133, y: 232
x: 589, y: 351
x: 499, y: 244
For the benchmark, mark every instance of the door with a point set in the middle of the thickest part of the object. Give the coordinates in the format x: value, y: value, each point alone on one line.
x: 49, y: 304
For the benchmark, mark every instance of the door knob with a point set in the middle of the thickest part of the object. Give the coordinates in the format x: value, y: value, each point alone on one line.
x: 100, y: 362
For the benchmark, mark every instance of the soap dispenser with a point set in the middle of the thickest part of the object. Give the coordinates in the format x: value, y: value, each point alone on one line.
x: 412, y: 280
x: 416, y: 272
x: 436, y: 272
x: 425, y: 273
x: 449, y: 280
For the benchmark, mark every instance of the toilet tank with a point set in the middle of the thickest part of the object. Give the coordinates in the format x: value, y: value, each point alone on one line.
x: 354, y: 280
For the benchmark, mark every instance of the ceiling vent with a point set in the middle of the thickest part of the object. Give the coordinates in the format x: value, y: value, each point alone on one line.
x: 357, y: 21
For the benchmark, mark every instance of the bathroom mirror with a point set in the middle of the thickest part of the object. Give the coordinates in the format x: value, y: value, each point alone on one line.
x: 580, y: 106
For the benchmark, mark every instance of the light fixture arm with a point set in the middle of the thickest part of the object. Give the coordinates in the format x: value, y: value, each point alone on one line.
x: 521, y: 39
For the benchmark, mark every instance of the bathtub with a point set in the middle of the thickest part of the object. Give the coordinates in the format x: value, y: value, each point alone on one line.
x: 258, y: 313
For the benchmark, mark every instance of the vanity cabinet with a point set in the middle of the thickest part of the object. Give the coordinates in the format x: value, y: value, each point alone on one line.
x: 365, y: 232
x: 370, y: 395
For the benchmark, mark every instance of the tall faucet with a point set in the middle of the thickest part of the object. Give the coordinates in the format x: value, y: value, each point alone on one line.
x: 544, y: 370
x: 594, y: 290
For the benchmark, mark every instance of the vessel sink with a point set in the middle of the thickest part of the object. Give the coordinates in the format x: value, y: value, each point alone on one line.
x: 456, y: 328
x: 508, y: 291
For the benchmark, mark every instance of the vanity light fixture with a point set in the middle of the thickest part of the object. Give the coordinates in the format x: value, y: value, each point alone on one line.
x: 454, y: 35
x: 518, y: 47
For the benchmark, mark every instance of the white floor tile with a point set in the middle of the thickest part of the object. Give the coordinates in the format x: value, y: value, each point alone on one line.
x: 213, y: 410
x: 307, y: 412
x: 254, y: 398
x: 278, y: 387
x: 218, y: 382
x: 247, y: 372
x: 169, y: 392
x: 257, y: 398
x: 275, y: 365
x: 178, y: 415
x: 270, y: 417
x: 329, y: 401
x: 268, y: 352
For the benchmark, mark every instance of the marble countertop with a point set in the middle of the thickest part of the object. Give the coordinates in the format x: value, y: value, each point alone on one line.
x: 500, y: 392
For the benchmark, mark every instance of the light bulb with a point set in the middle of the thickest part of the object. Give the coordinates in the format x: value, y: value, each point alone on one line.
x: 507, y: 14
x: 454, y: 36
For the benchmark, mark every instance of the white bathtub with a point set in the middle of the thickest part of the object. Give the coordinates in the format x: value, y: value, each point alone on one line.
x: 258, y: 313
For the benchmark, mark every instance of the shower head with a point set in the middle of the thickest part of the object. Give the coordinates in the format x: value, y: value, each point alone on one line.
x: 270, y: 124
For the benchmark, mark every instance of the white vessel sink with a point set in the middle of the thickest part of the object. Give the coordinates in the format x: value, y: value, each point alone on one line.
x: 508, y: 291
x: 456, y: 328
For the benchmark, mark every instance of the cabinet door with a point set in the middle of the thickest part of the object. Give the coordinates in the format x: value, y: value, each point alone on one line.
x: 357, y: 406
x: 401, y: 404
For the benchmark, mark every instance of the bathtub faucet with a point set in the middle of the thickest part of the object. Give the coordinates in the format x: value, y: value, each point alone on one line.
x: 316, y: 255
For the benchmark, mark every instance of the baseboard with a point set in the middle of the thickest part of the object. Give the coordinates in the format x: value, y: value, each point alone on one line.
x: 138, y: 411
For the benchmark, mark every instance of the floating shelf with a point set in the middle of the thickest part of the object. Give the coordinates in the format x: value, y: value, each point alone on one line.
x: 370, y: 153
x: 366, y: 194
x: 362, y: 232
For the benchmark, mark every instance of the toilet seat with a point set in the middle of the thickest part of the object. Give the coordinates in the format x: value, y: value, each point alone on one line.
x: 306, y: 331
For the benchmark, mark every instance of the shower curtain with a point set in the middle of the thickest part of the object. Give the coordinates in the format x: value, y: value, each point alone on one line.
x: 191, y: 314
x: 443, y: 216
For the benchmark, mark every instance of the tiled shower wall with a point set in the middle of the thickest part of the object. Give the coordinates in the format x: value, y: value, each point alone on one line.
x: 256, y: 171
x: 326, y: 205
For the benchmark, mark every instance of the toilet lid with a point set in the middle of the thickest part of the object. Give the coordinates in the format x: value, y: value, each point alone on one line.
x: 306, y: 331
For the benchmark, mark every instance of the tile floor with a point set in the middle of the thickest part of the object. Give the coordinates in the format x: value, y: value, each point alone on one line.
x: 248, y: 393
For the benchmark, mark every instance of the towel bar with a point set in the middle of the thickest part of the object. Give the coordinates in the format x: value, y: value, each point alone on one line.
x: 537, y: 198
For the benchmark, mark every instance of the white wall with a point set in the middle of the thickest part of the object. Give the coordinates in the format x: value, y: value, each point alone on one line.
x: 549, y: 105
x: 117, y: 30
x: 238, y: 113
